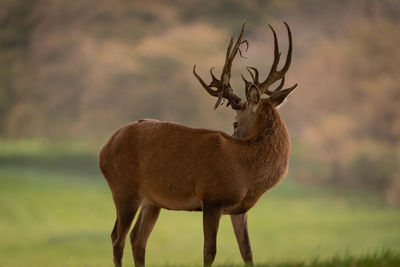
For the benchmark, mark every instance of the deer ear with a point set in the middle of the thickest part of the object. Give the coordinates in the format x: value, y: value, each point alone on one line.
x: 253, y: 95
x: 277, y: 98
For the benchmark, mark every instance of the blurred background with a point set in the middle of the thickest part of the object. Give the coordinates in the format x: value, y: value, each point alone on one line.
x: 72, y: 72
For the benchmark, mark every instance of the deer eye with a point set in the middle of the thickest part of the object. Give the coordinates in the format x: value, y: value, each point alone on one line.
x: 235, y: 124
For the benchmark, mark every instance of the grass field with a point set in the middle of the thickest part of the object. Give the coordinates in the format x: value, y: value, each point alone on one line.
x: 56, y: 210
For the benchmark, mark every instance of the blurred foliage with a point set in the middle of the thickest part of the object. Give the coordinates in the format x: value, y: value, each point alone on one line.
x: 80, y: 69
x: 77, y: 158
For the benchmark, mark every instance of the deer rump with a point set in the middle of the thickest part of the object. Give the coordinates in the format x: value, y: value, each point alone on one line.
x: 160, y: 162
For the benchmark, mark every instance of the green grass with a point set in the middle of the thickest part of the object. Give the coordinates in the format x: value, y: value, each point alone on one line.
x: 55, y: 213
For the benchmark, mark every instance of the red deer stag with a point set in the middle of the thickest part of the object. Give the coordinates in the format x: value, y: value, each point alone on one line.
x: 153, y: 165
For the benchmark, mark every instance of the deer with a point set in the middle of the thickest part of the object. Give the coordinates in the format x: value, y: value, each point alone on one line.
x: 154, y: 165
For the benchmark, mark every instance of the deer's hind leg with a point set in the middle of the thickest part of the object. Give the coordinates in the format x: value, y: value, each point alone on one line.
x: 126, y: 207
x: 141, y: 231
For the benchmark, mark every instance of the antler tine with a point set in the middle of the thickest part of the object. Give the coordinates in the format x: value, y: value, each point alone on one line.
x: 226, y: 70
x: 238, y: 43
x: 280, y: 85
x: 255, y: 76
x: 230, y: 56
x: 275, y: 75
x: 214, y: 82
x: 205, y: 86
x: 289, y: 53
x: 223, y: 87
x: 277, y: 54
x: 246, y: 83
x: 244, y: 79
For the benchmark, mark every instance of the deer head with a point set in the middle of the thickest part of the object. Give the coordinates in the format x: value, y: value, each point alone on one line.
x: 246, y: 110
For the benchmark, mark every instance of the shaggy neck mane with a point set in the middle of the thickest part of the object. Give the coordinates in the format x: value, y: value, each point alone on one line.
x: 268, y: 148
x: 268, y: 125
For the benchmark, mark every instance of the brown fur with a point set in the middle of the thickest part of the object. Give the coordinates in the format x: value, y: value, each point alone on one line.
x: 172, y: 166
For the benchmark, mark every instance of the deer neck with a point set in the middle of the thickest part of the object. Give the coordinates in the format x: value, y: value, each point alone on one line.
x: 268, y: 125
x: 267, y: 148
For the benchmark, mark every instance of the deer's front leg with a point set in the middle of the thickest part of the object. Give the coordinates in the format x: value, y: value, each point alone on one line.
x: 211, y: 217
x: 239, y: 222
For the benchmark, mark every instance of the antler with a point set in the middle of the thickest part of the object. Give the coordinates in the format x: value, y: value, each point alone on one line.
x: 224, y: 89
x: 274, y: 75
